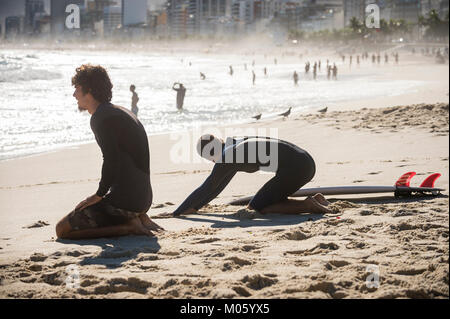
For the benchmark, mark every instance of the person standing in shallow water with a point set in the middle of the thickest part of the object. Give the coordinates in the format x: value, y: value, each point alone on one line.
x: 335, y: 70
x: 295, y: 76
x: 181, y: 92
x: 124, y: 194
x: 134, y: 100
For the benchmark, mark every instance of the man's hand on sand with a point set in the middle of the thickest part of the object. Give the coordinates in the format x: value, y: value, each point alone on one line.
x: 91, y: 200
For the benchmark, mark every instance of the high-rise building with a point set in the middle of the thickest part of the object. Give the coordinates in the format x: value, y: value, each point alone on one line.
x: 13, y: 26
x: 33, y: 10
x: 112, y: 18
x: 134, y: 12
x: 59, y: 15
x: 198, y: 16
x: 12, y: 8
x: 354, y: 8
x: 408, y: 10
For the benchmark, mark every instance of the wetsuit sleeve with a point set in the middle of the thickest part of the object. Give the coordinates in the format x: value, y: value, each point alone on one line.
x: 110, y: 151
x: 219, y: 178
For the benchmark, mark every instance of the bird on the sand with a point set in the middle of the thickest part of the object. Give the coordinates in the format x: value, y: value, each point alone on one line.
x: 257, y: 117
x: 286, y: 114
x: 324, y: 110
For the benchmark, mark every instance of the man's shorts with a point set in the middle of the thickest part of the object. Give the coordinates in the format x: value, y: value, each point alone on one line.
x: 101, y: 214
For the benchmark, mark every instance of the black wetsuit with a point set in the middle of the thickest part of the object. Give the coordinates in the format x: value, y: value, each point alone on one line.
x: 126, y: 158
x: 125, y: 182
x: 293, y: 168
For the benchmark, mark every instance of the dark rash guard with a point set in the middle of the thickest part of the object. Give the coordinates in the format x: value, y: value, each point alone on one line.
x: 126, y: 159
x: 293, y: 167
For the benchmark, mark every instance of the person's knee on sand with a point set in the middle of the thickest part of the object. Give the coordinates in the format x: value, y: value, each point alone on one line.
x: 63, y: 228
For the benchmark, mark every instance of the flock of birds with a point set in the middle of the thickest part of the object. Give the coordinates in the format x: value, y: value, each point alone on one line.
x: 287, y: 113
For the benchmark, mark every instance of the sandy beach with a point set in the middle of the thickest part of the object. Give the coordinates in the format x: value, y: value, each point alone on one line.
x: 226, y: 252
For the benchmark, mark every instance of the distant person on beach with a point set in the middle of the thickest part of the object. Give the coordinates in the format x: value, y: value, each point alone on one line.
x: 335, y: 70
x: 231, y: 70
x: 329, y: 72
x: 134, y: 100
x: 181, y: 92
x: 293, y: 168
x: 124, y: 194
x: 202, y: 76
x: 253, y: 77
x: 295, y: 76
x: 315, y: 70
x: 265, y: 71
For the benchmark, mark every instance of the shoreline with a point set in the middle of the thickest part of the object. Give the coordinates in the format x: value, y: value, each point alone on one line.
x: 413, y: 67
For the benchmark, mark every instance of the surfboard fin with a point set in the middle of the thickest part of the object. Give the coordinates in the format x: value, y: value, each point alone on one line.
x: 429, y: 181
x: 405, y: 179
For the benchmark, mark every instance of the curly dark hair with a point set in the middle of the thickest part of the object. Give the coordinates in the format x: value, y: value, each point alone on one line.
x: 95, y: 80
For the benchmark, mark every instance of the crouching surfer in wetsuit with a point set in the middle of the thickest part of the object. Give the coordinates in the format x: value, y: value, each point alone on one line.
x: 293, y: 168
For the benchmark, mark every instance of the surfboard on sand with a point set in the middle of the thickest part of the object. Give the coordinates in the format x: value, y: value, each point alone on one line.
x: 400, y: 189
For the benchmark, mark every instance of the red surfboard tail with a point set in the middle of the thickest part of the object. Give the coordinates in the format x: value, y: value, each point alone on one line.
x: 405, y: 179
x: 430, y: 180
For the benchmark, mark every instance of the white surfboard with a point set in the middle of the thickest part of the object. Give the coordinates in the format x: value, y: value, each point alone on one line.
x: 401, y: 188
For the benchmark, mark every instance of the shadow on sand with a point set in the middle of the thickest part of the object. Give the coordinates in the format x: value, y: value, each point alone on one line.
x: 388, y: 199
x: 229, y: 220
x: 115, y: 250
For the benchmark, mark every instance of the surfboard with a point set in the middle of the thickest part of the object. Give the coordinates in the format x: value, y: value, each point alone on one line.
x: 401, y: 188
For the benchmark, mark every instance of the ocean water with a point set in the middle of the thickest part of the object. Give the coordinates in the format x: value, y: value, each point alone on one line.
x: 38, y: 112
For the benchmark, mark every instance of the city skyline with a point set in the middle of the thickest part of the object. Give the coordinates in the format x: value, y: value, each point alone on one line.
x: 202, y: 17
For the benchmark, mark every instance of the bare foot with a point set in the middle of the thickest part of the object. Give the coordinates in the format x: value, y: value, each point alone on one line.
x: 135, y: 227
x: 321, y: 199
x: 315, y: 207
x: 149, y: 224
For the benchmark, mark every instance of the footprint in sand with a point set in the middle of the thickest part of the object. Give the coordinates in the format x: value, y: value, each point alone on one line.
x: 258, y: 282
x: 38, y: 257
x: 37, y: 224
x: 206, y: 241
x: 295, y: 235
x: 239, y: 261
x: 320, y: 248
x: 249, y: 247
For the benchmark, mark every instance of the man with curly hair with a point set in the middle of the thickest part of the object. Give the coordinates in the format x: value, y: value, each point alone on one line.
x: 124, y: 194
